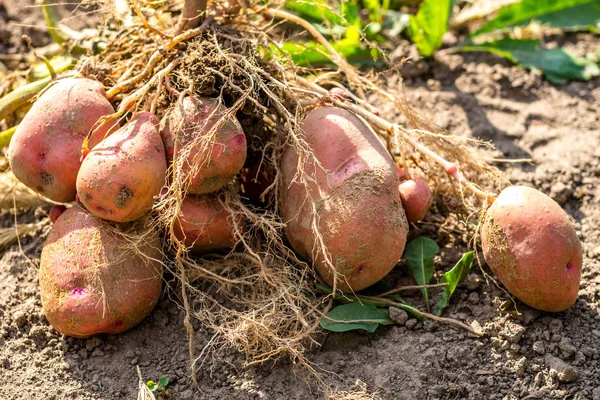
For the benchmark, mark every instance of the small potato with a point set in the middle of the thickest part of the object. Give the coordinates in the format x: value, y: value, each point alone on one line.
x: 416, y: 198
x: 351, y: 198
x: 45, y: 151
x: 96, y: 277
x: 55, y: 212
x: 120, y: 177
x: 205, y: 225
x: 530, y: 244
x: 210, y: 162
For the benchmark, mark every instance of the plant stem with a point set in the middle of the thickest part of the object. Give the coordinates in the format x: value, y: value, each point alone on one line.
x: 19, y: 97
x: 6, y: 135
x: 406, y: 307
x: 192, y: 15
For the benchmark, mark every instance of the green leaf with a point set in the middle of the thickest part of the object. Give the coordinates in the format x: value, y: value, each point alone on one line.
x: 353, y: 316
x: 152, y: 386
x: 419, y: 255
x: 163, y: 381
x: 430, y: 23
x: 557, y: 65
x: 564, y: 14
x: 314, y: 54
x: 317, y: 10
x: 454, y: 277
x: 374, y: 8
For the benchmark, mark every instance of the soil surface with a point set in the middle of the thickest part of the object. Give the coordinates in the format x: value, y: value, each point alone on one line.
x: 533, y: 355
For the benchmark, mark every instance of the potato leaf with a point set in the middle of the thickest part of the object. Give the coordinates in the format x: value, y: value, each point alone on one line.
x: 314, y: 54
x: 163, y: 381
x: 430, y: 23
x: 419, y: 255
x: 317, y: 10
x: 355, y: 315
x: 454, y: 277
x: 563, y: 14
x: 557, y: 65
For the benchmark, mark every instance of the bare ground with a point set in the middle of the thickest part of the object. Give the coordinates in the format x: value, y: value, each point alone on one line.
x: 533, y: 355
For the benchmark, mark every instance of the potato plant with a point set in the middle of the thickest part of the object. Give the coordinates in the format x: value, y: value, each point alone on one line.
x: 234, y: 109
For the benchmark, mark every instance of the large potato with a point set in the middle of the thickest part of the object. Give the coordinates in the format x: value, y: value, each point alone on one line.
x: 45, y: 151
x: 205, y: 225
x: 94, y: 280
x: 532, y: 247
x: 357, y: 209
x: 120, y: 177
x: 205, y: 168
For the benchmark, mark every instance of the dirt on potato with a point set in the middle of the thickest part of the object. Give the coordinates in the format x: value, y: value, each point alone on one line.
x: 531, y: 355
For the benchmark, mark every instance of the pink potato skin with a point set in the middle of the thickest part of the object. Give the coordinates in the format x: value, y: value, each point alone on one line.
x: 360, y: 216
x: 416, y: 198
x: 55, y: 212
x: 91, y: 280
x: 204, y: 225
x: 120, y: 177
x: 45, y: 151
x: 227, y: 150
x: 530, y: 244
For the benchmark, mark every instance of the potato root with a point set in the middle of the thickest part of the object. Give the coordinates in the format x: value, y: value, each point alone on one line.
x: 120, y: 177
x: 210, y: 162
x: 530, y: 244
x: 45, y: 151
x: 357, y: 209
x: 93, y: 280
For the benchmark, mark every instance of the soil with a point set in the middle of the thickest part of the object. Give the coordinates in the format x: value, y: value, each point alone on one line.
x: 531, y: 355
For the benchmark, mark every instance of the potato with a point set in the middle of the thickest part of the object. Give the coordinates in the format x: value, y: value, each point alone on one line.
x: 93, y: 280
x: 532, y: 247
x: 416, y: 198
x: 45, y: 151
x: 55, y: 212
x: 205, y: 225
x: 185, y: 126
x: 120, y: 177
x: 357, y: 210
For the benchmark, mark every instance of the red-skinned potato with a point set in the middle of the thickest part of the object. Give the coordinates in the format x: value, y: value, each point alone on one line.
x: 205, y: 169
x: 93, y: 280
x: 205, y: 225
x: 55, y: 212
x: 530, y: 244
x: 415, y: 194
x: 45, y: 151
x: 355, y: 199
x: 120, y: 177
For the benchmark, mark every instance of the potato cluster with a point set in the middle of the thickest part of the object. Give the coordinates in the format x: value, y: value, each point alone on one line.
x: 101, y: 266
x: 345, y: 204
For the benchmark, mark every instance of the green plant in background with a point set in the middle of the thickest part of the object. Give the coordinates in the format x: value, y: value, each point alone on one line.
x: 428, y: 26
x: 347, y: 22
x: 557, y: 64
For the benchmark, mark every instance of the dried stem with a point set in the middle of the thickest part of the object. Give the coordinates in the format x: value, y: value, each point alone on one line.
x: 192, y: 15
